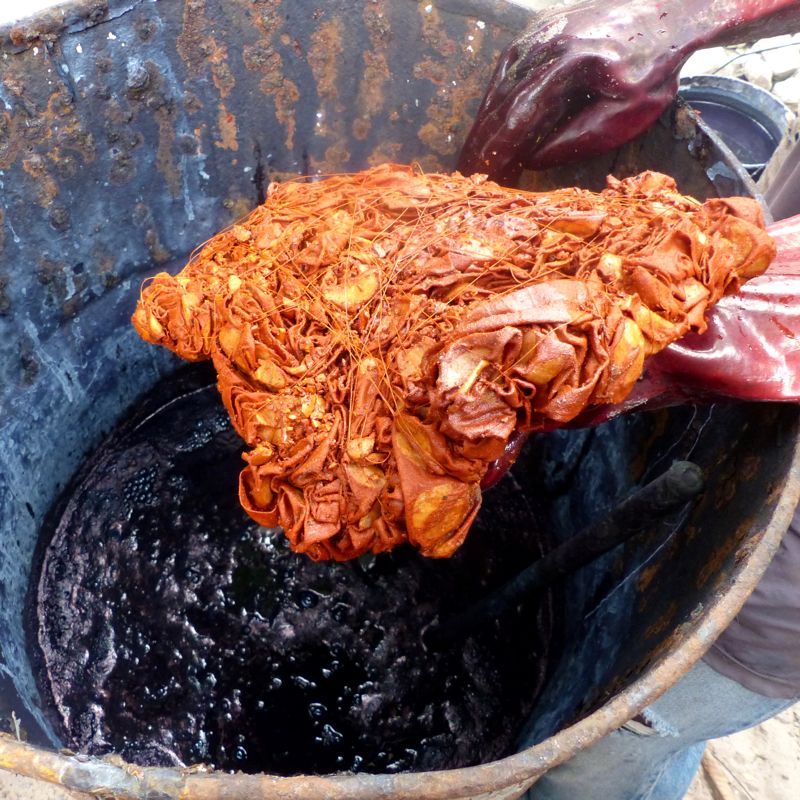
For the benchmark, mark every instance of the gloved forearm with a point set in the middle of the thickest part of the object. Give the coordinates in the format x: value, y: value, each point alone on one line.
x: 582, y: 81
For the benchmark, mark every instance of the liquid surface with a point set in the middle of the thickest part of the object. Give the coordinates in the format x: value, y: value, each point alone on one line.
x: 171, y: 629
x: 749, y: 140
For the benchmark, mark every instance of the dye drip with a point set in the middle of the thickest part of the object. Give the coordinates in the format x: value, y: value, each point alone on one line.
x: 173, y: 630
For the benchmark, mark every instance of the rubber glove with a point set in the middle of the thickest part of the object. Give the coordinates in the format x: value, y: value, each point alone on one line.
x: 585, y: 80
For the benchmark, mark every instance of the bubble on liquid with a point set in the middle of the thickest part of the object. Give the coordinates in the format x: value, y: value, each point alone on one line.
x: 139, y: 490
x: 330, y: 736
x: 307, y: 598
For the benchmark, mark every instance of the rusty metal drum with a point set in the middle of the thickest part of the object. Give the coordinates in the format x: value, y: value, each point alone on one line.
x: 130, y: 132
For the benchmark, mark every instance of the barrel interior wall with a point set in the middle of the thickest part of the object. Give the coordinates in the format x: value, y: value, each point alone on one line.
x: 745, y: 450
x: 133, y: 131
x: 130, y: 139
x: 79, y: 385
x: 626, y: 610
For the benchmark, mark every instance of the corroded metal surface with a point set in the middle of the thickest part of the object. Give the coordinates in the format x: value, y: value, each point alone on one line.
x: 117, y: 119
x: 131, y: 131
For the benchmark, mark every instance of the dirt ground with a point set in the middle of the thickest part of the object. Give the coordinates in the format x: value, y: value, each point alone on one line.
x: 762, y: 763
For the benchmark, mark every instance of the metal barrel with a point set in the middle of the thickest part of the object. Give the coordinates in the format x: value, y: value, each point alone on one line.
x: 130, y: 132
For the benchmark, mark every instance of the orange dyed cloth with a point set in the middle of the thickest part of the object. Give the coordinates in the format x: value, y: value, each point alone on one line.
x: 378, y: 336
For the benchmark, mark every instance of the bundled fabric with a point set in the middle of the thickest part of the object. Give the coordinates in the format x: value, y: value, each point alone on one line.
x: 379, y: 336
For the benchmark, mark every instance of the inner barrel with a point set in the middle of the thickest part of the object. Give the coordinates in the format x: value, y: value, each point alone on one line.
x: 171, y: 629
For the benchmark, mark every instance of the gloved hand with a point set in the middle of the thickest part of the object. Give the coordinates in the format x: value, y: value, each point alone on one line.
x: 582, y: 81
x: 750, y: 351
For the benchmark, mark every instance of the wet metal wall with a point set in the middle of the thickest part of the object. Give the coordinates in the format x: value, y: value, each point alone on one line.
x: 130, y: 132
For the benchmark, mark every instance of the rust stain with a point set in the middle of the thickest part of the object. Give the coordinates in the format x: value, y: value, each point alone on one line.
x: 142, y: 217
x: 433, y: 31
x: 226, y: 122
x: 459, y: 76
x: 164, y: 161
x: 200, y: 50
x: 437, y: 72
x: 429, y: 163
x: 385, y: 152
x: 748, y: 467
x: 438, y: 135
x: 35, y: 166
x: 370, y: 99
x: 285, y: 95
x: 192, y: 103
x: 221, y: 73
x: 646, y: 576
x: 41, y: 130
x: 336, y: 157
x: 240, y: 207
x: 361, y: 128
x: 157, y: 250
x: 726, y: 491
x: 10, y: 138
x: 190, y: 42
x: 65, y: 291
x: 323, y: 58
x: 265, y: 58
x: 664, y: 623
x: 714, y: 564
x: 150, y: 96
x: 117, y: 127
x: 64, y: 163
x: 104, y: 267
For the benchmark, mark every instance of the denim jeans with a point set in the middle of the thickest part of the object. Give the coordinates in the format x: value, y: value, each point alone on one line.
x: 660, y: 764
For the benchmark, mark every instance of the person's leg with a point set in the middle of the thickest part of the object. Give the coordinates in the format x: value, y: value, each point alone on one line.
x: 659, y: 763
x: 677, y: 773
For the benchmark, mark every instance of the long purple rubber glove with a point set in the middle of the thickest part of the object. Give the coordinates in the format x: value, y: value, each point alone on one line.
x: 750, y: 351
x: 582, y: 81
